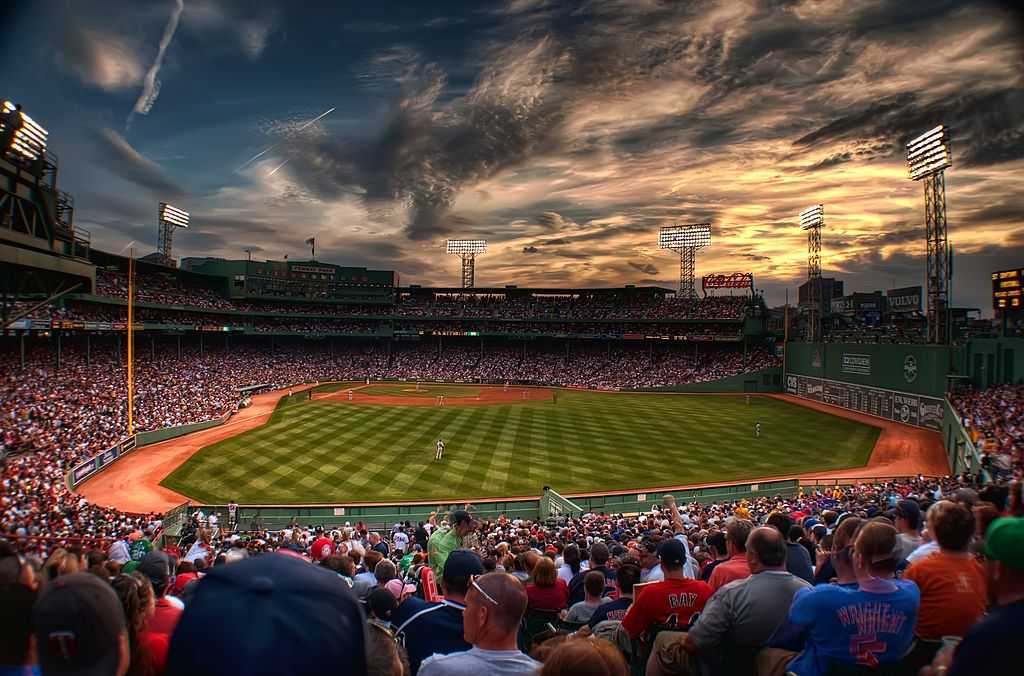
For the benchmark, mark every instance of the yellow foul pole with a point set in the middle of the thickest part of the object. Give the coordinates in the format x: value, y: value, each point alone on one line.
x: 131, y: 341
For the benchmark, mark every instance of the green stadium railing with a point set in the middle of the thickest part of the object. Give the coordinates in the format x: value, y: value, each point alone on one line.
x: 271, y: 517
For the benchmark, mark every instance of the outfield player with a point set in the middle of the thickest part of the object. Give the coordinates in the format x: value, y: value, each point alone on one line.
x: 440, y: 401
x: 350, y: 395
x: 232, y: 515
x: 757, y: 429
x: 440, y: 450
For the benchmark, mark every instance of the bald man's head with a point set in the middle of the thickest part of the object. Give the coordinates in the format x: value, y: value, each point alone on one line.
x: 766, y: 549
x: 495, y: 605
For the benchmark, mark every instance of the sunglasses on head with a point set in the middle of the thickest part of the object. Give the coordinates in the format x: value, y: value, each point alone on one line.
x: 476, y: 586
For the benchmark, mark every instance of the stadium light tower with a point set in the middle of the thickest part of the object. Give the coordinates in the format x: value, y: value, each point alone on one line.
x: 685, y: 240
x: 28, y: 141
x: 812, y: 220
x: 170, y: 218
x: 467, y: 249
x: 928, y: 157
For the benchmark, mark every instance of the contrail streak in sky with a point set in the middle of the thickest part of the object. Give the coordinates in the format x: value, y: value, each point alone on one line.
x: 274, y: 171
x: 267, y: 150
x: 151, y: 85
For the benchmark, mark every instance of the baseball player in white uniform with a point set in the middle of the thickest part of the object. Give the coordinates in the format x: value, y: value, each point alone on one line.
x: 440, y: 450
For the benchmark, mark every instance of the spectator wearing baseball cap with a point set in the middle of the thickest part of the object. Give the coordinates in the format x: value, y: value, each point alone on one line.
x: 908, y: 522
x: 437, y: 628
x: 156, y: 566
x: 446, y: 540
x: 740, y: 617
x: 495, y: 604
x: 270, y: 615
x: 673, y: 600
x: 992, y: 646
x: 80, y: 628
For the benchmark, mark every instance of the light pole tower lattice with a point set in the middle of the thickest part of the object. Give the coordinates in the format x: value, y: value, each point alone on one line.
x: 812, y: 220
x: 685, y: 240
x: 467, y: 249
x: 928, y: 157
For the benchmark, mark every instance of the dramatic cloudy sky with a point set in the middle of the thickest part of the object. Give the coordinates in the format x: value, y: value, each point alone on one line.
x: 565, y: 133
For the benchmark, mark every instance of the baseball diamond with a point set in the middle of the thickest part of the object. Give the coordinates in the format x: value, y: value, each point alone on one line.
x: 330, y: 450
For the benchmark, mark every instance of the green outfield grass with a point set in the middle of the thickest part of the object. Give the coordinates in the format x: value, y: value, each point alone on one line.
x: 330, y: 452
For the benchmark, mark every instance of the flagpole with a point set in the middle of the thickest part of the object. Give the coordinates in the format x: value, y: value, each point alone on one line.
x: 131, y: 342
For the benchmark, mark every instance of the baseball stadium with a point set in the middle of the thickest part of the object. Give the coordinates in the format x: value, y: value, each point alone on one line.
x: 208, y: 423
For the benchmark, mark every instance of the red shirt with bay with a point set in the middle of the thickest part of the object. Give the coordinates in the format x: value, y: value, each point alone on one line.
x: 666, y: 602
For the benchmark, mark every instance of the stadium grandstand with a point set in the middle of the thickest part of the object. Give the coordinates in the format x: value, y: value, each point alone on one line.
x: 784, y: 558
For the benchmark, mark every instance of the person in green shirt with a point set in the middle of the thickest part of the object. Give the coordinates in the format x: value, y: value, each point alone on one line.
x: 406, y: 561
x: 444, y: 541
x: 142, y: 546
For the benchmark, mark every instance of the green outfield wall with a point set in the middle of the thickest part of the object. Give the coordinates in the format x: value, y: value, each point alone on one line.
x: 903, y: 383
x: 258, y: 517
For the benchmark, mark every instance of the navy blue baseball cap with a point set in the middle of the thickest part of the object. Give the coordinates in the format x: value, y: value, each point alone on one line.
x: 462, y: 563
x: 271, y: 615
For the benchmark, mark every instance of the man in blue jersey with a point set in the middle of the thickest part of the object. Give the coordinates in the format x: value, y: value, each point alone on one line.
x: 429, y: 628
x: 868, y: 625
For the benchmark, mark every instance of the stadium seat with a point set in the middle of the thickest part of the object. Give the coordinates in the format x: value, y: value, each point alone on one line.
x: 428, y: 583
x: 536, y: 622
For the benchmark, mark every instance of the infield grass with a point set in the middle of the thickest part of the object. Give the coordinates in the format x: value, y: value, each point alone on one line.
x: 336, y: 452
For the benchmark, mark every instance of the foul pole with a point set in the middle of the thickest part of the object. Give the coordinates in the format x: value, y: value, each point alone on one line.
x: 131, y: 341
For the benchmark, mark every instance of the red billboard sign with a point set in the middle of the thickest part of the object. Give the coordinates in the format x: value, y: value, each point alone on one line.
x: 735, y: 280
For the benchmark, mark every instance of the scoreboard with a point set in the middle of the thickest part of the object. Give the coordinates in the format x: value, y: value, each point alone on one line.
x: 1008, y: 289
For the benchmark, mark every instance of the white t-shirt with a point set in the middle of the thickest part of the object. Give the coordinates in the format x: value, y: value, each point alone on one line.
x: 401, y: 541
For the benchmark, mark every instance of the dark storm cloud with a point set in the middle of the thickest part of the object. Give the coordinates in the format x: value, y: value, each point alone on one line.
x: 117, y: 156
x: 646, y: 268
x: 986, y: 127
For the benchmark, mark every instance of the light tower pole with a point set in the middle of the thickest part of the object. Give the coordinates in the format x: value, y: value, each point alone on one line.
x: 928, y: 157
x: 169, y: 219
x: 685, y: 240
x: 812, y: 220
x: 467, y: 249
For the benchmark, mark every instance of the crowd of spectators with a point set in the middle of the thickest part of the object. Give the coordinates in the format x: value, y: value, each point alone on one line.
x: 59, y: 412
x: 994, y: 417
x: 889, y: 577
x: 166, y: 289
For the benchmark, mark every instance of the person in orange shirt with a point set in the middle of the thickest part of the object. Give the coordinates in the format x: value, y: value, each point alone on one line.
x: 954, y: 592
x: 735, y: 567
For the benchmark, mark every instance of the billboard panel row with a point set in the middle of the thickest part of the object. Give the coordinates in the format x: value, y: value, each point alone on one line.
x: 902, y: 407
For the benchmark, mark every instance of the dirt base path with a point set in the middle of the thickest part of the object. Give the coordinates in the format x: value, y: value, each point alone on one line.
x: 133, y: 484
x: 487, y: 397
x: 901, y: 450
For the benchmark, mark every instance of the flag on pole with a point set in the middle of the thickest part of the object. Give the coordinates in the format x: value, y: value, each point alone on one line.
x: 312, y: 247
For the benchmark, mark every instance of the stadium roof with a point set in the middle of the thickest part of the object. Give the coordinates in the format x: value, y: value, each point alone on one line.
x: 535, y: 290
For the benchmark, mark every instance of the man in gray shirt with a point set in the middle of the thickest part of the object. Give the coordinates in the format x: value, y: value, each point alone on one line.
x: 740, y: 617
x: 495, y: 604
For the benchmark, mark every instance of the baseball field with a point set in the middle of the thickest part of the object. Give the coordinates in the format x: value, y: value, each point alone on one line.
x: 378, y: 444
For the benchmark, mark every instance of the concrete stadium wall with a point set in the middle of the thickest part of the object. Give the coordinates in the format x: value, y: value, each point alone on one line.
x: 156, y: 436
x: 765, y: 380
x: 379, y: 516
x: 963, y: 456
